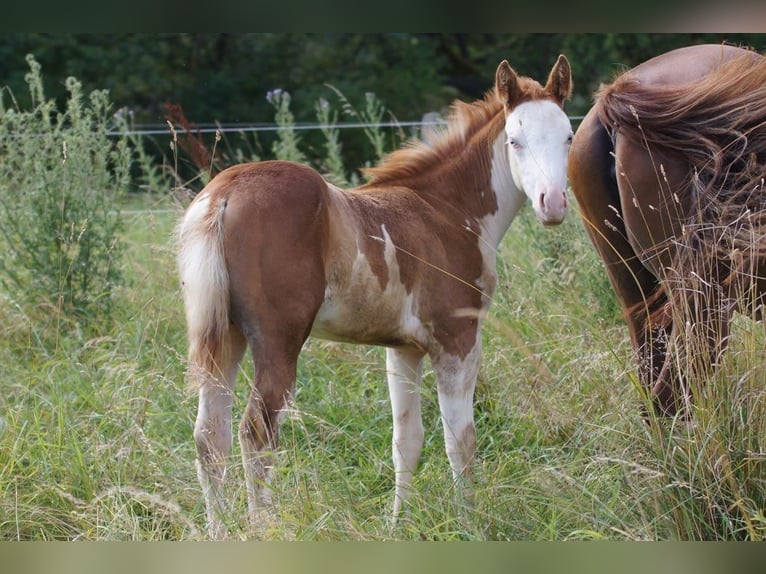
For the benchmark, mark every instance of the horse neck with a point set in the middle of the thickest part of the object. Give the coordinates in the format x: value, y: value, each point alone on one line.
x: 477, y: 185
x: 509, y: 197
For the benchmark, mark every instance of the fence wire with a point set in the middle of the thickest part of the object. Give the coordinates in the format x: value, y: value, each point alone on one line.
x: 222, y: 128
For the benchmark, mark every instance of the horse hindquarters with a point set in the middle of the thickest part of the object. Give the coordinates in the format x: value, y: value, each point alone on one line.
x: 251, y: 262
x: 687, y: 318
x: 592, y: 176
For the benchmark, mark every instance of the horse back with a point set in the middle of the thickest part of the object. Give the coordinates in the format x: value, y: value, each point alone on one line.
x: 683, y: 64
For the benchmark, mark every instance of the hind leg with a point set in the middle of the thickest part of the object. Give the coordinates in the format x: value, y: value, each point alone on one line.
x: 608, y: 213
x: 212, y: 429
x: 652, y: 191
x: 403, y: 369
x: 275, y: 372
x: 698, y: 340
x: 651, y: 328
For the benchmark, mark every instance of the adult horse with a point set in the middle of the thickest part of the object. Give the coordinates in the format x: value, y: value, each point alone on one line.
x: 270, y: 253
x: 667, y: 169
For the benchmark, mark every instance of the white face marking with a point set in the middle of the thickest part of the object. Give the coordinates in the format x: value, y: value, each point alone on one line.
x: 538, y: 135
x: 508, y: 195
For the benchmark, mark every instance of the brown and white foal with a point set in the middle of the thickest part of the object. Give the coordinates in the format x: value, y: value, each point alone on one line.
x: 270, y: 253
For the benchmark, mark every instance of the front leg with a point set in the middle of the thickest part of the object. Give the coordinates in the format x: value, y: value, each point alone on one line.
x: 456, y: 381
x: 403, y: 369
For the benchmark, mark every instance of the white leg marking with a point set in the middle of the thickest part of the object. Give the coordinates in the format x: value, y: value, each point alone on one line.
x: 404, y: 368
x: 456, y: 381
x: 258, y: 461
x: 212, y: 434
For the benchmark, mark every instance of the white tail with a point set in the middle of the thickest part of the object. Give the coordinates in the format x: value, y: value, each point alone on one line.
x: 205, y: 281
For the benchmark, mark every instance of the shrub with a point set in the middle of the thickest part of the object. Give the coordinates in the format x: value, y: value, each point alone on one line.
x: 61, y: 179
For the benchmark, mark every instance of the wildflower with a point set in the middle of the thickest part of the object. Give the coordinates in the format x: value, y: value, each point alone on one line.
x: 273, y: 96
x: 122, y: 112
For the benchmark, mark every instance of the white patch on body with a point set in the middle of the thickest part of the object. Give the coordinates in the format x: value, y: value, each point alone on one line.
x: 356, y: 309
x: 494, y: 225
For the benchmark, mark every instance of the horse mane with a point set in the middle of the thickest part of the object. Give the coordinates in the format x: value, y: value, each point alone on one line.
x: 416, y: 157
x: 717, y: 125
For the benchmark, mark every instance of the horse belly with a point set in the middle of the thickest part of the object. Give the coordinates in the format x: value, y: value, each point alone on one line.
x: 363, y: 313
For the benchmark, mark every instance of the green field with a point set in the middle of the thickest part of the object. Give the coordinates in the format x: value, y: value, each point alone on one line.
x: 96, y: 419
x: 95, y: 436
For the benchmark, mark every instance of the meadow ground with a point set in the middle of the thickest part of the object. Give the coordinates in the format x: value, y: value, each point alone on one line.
x: 96, y: 425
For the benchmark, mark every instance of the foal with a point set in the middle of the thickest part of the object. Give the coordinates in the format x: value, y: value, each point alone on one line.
x: 270, y: 253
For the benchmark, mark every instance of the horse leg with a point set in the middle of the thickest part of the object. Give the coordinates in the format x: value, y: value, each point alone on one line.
x: 275, y: 372
x: 212, y: 428
x: 652, y: 188
x: 403, y: 369
x: 699, y: 338
x: 593, y: 178
x: 456, y: 381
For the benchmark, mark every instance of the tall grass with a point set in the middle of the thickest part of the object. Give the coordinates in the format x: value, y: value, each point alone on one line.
x: 713, y: 457
x: 95, y: 432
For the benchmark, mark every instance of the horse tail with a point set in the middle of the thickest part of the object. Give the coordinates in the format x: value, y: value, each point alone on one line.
x: 205, y: 284
x: 717, y: 123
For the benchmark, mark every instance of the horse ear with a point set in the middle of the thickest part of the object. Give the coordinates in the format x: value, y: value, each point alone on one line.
x: 507, y: 83
x: 560, y: 80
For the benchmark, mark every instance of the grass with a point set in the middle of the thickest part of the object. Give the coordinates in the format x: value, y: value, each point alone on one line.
x: 96, y: 433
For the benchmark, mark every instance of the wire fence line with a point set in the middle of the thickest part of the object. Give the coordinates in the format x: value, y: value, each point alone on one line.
x: 163, y: 129
x: 159, y: 129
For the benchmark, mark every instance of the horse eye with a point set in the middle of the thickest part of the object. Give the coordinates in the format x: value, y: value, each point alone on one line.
x: 570, y: 139
x: 513, y: 143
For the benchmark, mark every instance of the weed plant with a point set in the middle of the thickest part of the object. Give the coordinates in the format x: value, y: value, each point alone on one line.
x: 61, y: 180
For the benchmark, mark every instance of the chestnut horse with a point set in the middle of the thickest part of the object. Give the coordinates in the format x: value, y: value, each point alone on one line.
x: 270, y: 253
x: 667, y: 169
